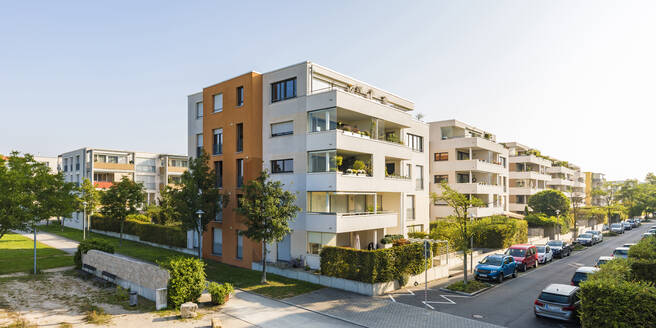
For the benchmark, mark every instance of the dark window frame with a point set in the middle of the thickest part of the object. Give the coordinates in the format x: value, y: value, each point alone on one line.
x: 240, y: 96
x: 240, y: 172
x: 287, y: 133
x: 240, y: 137
x: 441, y: 156
x: 438, y: 178
x: 283, y: 164
x: 279, y: 90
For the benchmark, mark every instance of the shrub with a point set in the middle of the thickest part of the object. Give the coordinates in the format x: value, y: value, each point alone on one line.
x: 155, y: 233
x: 400, y: 242
x: 418, y: 234
x: 541, y: 220
x: 138, y: 218
x: 219, y: 292
x: 489, y: 232
x: 645, y: 249
x: 187, y: 280
x: 389, y: 239
x: 89, y: 244
x: 358, y: 165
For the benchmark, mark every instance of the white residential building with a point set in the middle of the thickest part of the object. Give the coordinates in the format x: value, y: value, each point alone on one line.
x: 105, y: 167
x: 569, y: 179
x: 194, y: 124
x: 313, y: 119
x: 472, y: 163
x: 528, y: 175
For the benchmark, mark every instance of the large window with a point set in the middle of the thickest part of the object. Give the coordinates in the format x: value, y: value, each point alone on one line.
x: 240, y: 172
x: 66, y: 164
x: 410, y: 207
x: 442, y: 156
x: 145, y: 165
x: 420, y: 177
x: 178, y: 163
x: 240, y: 137
x: 322, y: 161
x: 240, y: 245
x: 416, y: 228
x: 463, y: 156
x: 240, y: 96
x: 217, y: 241
x: 199, y: 109
x: 440, y: 178
x: 322, y: 120
x: 218, y: 102
x: 282, y: 166
x: 77, y: 162
x: 282, y: 90
x: 317, y: 240
x: 282, y: 128
x: 331, y: 202
x: 147, y: 180
x: 415, y: 142
x: 218, y: 171
x: 217, y: 142
x: 199, y: 144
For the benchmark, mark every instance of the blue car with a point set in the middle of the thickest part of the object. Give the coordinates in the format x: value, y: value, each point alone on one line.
x: 496, y: 267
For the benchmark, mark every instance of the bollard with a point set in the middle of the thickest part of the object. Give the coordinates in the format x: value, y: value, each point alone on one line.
x: 133, y: 298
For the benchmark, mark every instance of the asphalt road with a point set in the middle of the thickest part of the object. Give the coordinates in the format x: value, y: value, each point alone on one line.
x: 510, y: 303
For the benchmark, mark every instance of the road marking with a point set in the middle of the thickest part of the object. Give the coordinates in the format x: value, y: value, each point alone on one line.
x: 446, y: 297
x: 392, y: 298
x: 407, y: 290
x: 432, y: 308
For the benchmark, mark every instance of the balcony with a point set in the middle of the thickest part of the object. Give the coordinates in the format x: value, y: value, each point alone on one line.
x: 176, y: 169
x: 486, y: 211
x: 530, y: 175
x: 530, y: 159
x: 517, y: 207
x: 471, y: 165
x: 524, y: 190
x: 345, y: 140
x: 113, y: 166
x: 477, y: 188
x: 103, y: 184
x: 560, y: 169
x: 472, y: 142
x: 347, y: 222
x: 560, y: 182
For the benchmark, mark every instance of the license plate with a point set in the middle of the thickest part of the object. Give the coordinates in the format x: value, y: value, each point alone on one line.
x: 552, y: 308
x: 482, y: 275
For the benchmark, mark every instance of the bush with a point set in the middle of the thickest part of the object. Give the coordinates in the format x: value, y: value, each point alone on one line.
x: 418, y: 234
x: 89, y: 244
x: 187, y: 280
x: 389, y: 239
x: 541, y: 220
x: 138, y: 218
x: 219, y: 292
x: 154, y: 233
x: 489, y: 232
x: 644, y: 250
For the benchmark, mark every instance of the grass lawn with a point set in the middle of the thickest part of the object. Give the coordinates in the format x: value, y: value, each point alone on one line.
x: 17, y: 255
x: 278, y: 287
x: 472, y: 286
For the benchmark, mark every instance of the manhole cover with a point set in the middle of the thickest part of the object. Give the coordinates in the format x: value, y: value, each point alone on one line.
x: 477, y: 316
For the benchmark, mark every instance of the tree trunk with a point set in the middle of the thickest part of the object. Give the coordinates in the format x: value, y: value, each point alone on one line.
x: 62, y: 223
x: 264, y: 280
x: 120, y: 241
x: 464, y: 262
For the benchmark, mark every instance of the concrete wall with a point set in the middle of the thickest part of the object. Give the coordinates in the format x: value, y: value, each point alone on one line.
x: 189, y: 251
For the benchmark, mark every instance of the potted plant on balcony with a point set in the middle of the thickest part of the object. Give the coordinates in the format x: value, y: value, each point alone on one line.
x: 359, y: 166
x: 338, y: 162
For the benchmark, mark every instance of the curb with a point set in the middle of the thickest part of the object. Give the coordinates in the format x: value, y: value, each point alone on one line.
x: 467, y: 294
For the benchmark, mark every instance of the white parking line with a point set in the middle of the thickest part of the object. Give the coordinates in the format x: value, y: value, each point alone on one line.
x: 432, y: 308
x: 392, y: 298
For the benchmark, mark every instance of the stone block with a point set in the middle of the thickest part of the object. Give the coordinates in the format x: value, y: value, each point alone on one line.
x: 216, y: 323
x: 188, y: 310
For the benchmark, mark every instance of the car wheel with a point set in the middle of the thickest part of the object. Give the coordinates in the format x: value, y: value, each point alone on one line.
x: 514, y: 275
x: 523, y: 267
x: 500, y: 279
x: 536, y: 265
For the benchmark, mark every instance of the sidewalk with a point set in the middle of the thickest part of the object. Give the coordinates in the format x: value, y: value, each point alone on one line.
x: 54, y: 241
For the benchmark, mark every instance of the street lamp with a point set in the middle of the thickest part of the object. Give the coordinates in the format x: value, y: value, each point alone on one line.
x: 84, y: 221
x: 200, y: 235
x: 471, y: 245
x: 557, y: 219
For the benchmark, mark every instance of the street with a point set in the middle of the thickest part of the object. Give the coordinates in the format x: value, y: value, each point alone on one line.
x: 510, y: 303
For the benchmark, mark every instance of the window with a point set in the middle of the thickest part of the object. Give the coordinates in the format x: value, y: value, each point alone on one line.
x: 441, y: 156
x: 463, y: 156
x: 77, y: 162
x: 321, y: 161
x: 415, y: 142
x: 240, y: 245
x: 462, y: 177
x: 503, y: 161
x: 217, y: 142
x: 199, y: 109
x: 217, y: 241
x: 147, y: 180
x: 282, y: 129
x: 218, y: 171
x: 240, y: 96
x: 322, y: 120
x: 178, y: 163
x: 112, y: 159
x: 145, y: 165
x: 317, y: 240
x: 408, y: 170
x: 240, y: 173
x: 282, y: 166
x: 219, y: 213
x: 410, y: 207
x: 218, y: 103
x: 199, y: 144
x: 416, y: 228
x: 66, y: 164
x: 174, y: 180
x: 420, y: 177
x: 440, y: 178
x: 282, y: 90
x: 240, y: 137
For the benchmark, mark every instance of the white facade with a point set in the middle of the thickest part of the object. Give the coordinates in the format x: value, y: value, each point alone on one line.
x: 51, y: 162
x: 105, y: 167
x: 194, y: 124
x: 528, y: 175
x: 569, y: 179
x: 472, y: 163
x: 324, y: 116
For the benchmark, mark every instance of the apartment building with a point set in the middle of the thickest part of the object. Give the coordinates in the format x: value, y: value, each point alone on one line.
x: 593, y: 181
x: 527, y: 175
x: 471, y: 162
x: 104, y: 167
x: 569, y: 179
x: 225, y: 120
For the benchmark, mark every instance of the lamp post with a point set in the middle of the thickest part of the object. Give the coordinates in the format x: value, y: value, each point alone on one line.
x: 557, y: 219
x: 471, y: 245
x: 84, y: 221
x: 200, y: 235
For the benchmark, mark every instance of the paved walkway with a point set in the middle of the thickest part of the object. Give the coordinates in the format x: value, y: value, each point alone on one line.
x: 54, y: 241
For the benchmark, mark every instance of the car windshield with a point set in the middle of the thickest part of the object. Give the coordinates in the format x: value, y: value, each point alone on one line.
x: 585, y: 235
x: 600, y: 262
x: 492, y: 260
x: 615, y: 225
x: 516, y: 252
x: 591, y: 232
x: 555, y: 243
x: 580, y: 276
x: 541, y: 249
x: 621, y: 252
x: 549, y: 297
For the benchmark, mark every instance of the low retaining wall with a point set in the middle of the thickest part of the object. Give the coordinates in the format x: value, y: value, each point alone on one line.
x: 137, y: 239
x: 357, y: 287
x: 148, y: 280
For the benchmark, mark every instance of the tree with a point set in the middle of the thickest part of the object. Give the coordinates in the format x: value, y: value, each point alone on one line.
x: 460, y: 204
x: 549, y: 202
x: 89, y: 199
x: 267, y: 210
x: 608, y: 196
x: 122, y: 199
x: 575, y: 199
x: 166, y: 213
x: 198, y: 191
x: 14, y: 179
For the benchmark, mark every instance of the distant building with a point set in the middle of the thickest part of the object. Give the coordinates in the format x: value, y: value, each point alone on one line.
x: 593, y: 181
x: 528, y: 175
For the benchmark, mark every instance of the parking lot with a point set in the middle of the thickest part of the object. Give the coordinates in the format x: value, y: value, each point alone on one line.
x: 511, y: 302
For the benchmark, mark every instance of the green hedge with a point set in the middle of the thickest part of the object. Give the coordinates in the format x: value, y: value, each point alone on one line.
x: 541, y: 220
x: 86, y: 245
x: 187, y: 280
x: 374, y: 266
x: 155, y: 233
x: 219, y: 292
x: 489, y: 232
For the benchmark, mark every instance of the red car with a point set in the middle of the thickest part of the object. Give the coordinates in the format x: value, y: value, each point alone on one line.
x: 525, y: 255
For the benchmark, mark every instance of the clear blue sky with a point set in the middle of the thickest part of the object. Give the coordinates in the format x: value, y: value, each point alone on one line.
x: 574, y: 79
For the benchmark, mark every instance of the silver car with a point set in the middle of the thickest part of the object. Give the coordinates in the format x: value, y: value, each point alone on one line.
x: 617, y: 228
x: 558, y: 301
x: 597, y: 237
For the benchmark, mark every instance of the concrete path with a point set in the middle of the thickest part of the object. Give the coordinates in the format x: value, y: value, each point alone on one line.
x: 54, y: 241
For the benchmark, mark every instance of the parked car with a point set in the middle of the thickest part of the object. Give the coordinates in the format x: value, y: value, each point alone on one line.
x: 633, y: 223
x: 627, y: 225
x: 582, y: 273
x: 652, y: 230
x: 638, y: 221
x: 524, y: 254
x: 496, y: 267
x: 559, y: 248
x: 621, y: 252
x: 558, y: 301
x: 647, y: 234
x: 617, y: 228
x: 585, y: 239
x: 627, y: 245
x: 596, y: 236
x: 544, y: 253
x: 603, y: 259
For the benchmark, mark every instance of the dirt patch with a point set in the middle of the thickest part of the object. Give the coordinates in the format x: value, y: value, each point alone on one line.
x: 56, y: 298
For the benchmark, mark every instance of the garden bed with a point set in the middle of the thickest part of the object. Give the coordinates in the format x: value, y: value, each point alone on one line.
x: 472, y: 288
